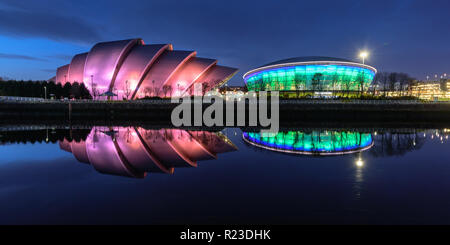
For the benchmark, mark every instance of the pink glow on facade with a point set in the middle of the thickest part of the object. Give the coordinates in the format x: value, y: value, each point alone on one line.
x: 129, y: 67
x: 103, y: 154
x: 135, y: 66
x: 103, y: 63
x: 132, y: 152
x: 214, y: 77
x: 79, y: 151
x: 188, y: 74
x: 162, y: 70
x: 76, y: 68
x: 62, y: 74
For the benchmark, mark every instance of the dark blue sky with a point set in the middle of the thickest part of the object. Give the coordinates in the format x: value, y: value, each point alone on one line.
x: 410, y: 36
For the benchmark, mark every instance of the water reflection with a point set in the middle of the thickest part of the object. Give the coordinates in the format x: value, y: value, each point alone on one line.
x: 312, y: 143
x: 134, y: 152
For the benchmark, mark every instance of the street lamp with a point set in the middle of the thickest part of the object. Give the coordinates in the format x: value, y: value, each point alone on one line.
x: 45, y: 89
x: 363, y: 55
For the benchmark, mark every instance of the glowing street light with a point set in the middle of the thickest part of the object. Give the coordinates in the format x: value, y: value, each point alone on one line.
x: 363, y: 55
x: 359, y: 163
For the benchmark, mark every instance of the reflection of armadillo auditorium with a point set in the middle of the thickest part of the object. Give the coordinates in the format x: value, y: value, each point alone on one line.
x: 135, y: 151
x: 312, y: 143
x: 132, y: 70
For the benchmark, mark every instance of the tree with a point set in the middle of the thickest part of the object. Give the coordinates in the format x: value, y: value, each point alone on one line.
x: 205, y: 88
x: 334, y: 81
x: 84, y: 92
x: 316, y: 81
x: 381, y: 79
x: 66, y: 90
x: 166, y: 89
x: 360, y: 81
x: 298, y: 86
x: 75, y: 90
x: 127, y: 89
x: 392, y: 80
x: 147, y: 91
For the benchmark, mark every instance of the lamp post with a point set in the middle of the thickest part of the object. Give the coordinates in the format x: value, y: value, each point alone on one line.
x: 92, y: 86
x: 363, y: 55
x: 45, y: 92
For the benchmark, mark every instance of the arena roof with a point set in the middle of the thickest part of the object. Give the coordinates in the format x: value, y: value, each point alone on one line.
x: 307, y: 59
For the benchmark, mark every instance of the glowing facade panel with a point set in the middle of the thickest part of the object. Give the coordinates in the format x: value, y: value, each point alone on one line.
x: 315, y: 75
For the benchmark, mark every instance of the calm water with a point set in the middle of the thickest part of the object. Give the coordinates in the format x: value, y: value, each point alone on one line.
x: 169, y: 176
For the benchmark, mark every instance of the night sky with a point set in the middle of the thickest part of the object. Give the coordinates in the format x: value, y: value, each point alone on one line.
x: 409, y: 36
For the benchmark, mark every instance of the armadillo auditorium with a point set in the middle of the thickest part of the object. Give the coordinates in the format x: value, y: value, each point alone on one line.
x: 132, y: 69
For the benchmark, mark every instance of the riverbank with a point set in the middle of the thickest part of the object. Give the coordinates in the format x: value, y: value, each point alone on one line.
x: 290, y: 111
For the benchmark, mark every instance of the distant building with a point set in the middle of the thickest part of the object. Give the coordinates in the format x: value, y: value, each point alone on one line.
x: 431, y: 90
x: 232, y: 89
x: 426, y: 90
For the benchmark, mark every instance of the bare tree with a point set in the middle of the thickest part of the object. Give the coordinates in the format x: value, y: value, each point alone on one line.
x: 147, y: 91
x: 166, y: 89
x: 127, y: 89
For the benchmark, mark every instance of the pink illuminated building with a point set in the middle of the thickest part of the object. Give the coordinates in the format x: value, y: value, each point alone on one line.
x: 132, y: 70
x: 134, y: 152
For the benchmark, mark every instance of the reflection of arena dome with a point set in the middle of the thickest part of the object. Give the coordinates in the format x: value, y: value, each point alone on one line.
x: 312, y: 143
x: 135, y: 151
x: 129, y: 68
x: 311, y: 73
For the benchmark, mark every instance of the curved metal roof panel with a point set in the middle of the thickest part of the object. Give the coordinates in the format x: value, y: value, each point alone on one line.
x: 135, y: 66
x: 217, y: 75
x: 162, y: 70
x: 79, y: 151
x: 306, y: 59
x: 131, y: 146
x: 103, y: 154
x: 103, y: 63
x: 77, y: 68
x: 61, y: 74
x: 193, y: 69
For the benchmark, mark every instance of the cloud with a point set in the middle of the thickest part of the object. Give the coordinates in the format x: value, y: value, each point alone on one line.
x: 49, y: 70
x: 20, y: 57
x: 23, y: 23
x: 60, y: 56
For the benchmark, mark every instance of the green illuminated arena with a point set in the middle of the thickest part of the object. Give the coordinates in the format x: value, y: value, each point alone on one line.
x: 319, y: 74
x: 312, y: 143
